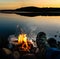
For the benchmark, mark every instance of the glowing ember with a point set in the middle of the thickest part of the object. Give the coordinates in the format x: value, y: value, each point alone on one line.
x: 24, y: 42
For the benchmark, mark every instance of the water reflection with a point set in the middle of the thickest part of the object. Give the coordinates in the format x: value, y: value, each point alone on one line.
x: 30, y: 25
x: 29, y: 14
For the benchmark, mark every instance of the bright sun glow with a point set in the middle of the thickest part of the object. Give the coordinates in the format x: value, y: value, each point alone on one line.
x: 12, y: 4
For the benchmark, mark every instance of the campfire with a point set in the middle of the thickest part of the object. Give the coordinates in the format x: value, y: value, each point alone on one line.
x: 24, y: 43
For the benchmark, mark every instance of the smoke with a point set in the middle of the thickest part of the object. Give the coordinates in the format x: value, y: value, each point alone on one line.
x: 31, y: 32
x: 11, y: 40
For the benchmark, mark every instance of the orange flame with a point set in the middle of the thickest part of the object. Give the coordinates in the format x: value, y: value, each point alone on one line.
x: 22, y: 39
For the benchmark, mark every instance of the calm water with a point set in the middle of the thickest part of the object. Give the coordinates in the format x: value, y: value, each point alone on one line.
x: 10, y: 24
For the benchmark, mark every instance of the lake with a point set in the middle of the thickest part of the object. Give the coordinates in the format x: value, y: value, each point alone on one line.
x: 12, y: 24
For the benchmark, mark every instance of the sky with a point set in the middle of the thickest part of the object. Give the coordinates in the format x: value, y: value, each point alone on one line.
x: 13, y: 4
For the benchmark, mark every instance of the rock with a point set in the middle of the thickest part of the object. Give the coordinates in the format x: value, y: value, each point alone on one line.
x: 7, y: 51
x: 16, y: 55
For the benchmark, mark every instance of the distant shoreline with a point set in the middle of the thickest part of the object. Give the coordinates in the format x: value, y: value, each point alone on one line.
x: 34, y: 11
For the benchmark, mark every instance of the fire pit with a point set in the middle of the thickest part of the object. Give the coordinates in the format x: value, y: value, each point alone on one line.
x: 22, y: 43
x: 22, y: 46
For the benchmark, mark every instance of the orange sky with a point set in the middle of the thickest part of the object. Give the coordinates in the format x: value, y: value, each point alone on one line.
x: 13, y: 4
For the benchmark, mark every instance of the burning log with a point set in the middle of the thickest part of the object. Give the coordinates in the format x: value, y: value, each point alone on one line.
x: 24, y: 43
